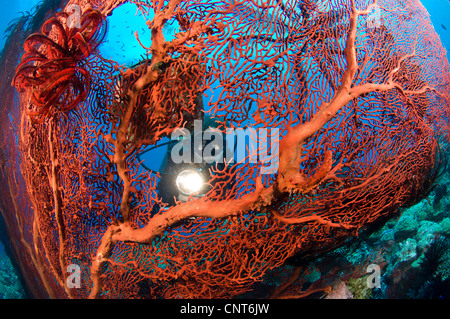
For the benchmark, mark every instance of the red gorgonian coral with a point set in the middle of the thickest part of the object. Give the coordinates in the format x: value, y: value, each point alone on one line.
x: 51, y: 66
x: 358, y: 90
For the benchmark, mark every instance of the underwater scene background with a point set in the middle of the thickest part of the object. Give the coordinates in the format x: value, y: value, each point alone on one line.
x: 90, y: 210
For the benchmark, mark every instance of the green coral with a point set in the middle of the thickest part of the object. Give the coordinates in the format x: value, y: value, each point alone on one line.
x: 444, y: 267
x: 359, y: 288
x: 10, y: 287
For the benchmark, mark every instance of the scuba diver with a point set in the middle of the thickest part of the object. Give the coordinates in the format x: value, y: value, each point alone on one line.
x: 191, y: 156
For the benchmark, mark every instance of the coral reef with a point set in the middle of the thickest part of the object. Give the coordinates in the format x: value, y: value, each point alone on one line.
x: 10, y: 287
x: 414, y: 249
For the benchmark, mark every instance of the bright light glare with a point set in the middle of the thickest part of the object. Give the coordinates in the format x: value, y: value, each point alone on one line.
x: 189, y: 182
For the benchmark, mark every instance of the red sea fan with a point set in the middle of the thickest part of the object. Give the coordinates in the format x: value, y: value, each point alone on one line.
x: 51, y: 69
x: 357, y: 89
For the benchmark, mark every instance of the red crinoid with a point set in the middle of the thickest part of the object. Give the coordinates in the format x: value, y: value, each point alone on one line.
x: 52, y: 65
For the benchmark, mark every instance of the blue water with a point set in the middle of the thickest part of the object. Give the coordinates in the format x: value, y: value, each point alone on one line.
x: 126, y: 20
x: 11, y: 10
x: 439, y: 11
